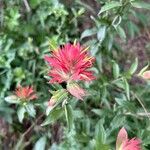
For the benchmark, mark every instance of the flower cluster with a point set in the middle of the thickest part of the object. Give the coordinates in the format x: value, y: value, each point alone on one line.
x: 70, y: 64
x: 25, y: 93
x: 123, y: 143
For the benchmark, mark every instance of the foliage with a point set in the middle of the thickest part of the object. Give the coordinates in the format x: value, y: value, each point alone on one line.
x: 28, y: 30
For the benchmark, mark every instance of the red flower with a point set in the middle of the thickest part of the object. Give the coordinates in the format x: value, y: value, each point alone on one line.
x: 70, y: 63
x: 25, y: 93
x: 123, y: 143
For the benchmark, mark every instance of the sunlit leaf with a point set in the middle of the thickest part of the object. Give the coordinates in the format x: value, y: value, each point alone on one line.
x: 109, y: 6
x: 12, y: 99
x: 133, y: 67
x: 88, y: 32
x: 138, y: 4
x: 54, y: 115
x: 40, y: 144
x: 21, y: 112
x: 30, y: 109
x: 116, y: 70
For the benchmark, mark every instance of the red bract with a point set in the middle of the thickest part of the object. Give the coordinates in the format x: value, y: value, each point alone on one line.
x: 25, y: 93
x: 70, y: 63
x: 123, y: 143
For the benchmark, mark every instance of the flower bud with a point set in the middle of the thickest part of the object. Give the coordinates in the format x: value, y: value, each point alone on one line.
x: 58, y: 96
x: 146, y: 75
x: 75, y: 90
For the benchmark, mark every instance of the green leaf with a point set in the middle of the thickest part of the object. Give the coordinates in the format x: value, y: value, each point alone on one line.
x: 54, y: 115
x: 20, y: 112
x: 109, y: 6
x: 81, y: 11
x: 143, y: 70
x: 118, y: 121
x: 40, y: 144
x: 78, y: 114
x: 133, y: 67
x: 35, y: 3
x: 141, y: 5
x: 117, y: 20
x: 30, y: 109
x: 12, y: 99
x: 53, y: 44
x: 48, y: 110
x: 100, y: 136
x: 121, y: 32
x: 69, y: 115
x: 19, y: 73
x: 58, y: 97
x: 127, y: 89
x: 125, y: 104
x: 97, y: 111
x: 100, y: 146
x: 116, y: 70
x: 132, y: 29
x: 88, y: 32
x: 101, y: 33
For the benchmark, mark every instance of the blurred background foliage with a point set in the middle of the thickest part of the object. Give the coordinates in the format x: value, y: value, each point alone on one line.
x: 118, y: 35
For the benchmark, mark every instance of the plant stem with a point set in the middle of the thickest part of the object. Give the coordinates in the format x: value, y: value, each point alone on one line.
x: 141, y: 103
x: 17, y: 147
x: 27, y: 5
x: 66, y: 114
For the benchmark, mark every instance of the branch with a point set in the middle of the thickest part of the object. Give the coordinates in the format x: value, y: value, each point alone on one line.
x: 27, y: 5
x: 32, y: 126
x: 141, y: 103
x: 19, y: 144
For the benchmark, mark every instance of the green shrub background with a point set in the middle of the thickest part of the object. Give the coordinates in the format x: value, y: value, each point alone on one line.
x: 118, y: 38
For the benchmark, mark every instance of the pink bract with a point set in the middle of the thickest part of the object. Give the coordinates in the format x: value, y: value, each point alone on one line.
x: 146, y: 75
x: 123, y: 143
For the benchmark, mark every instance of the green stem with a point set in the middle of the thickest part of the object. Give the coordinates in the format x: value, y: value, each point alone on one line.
x: 141, y: 103
x: 66, y: 114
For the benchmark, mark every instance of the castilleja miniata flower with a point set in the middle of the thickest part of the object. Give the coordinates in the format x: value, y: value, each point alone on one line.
x: 25, y: 93
x: 70, y: 64
x: 123, y: 143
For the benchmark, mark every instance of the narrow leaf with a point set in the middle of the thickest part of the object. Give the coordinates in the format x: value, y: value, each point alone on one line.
x: 69, y: 116
x: 30, y: 110
x: 121, y: 32
x: 40, y: 144
x: 54, y: 115
x: 116, y: 70
x: 133, y: 67
x: 101, y: 33
x: 127, y: 89
x: 109, y: 6
x: 12, y: 99
x: 141, y: 5
x: 143, y: 70
x: 88, y: 32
